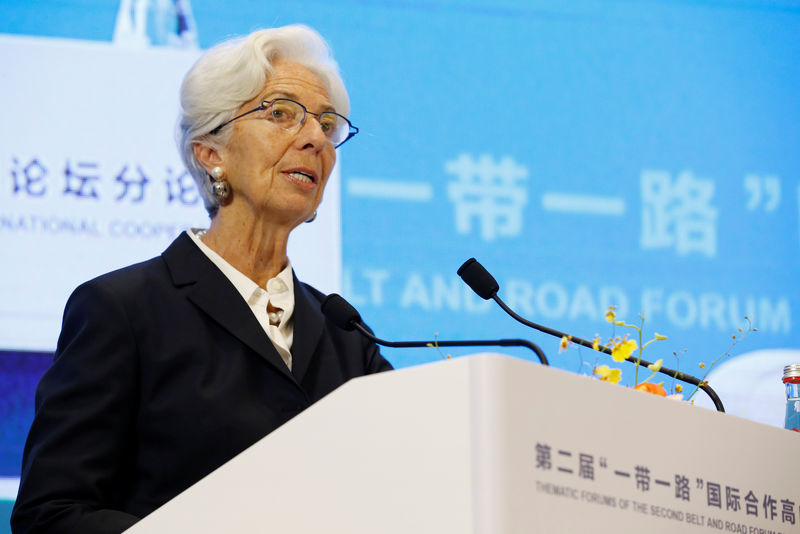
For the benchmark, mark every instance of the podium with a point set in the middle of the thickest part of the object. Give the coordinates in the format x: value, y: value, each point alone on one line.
x: 491, y: 444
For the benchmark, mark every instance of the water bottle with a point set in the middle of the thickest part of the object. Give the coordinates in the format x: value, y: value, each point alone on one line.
x: 791, y: 377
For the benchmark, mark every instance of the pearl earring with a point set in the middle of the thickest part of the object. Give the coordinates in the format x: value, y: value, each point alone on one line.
x: 220, y: 188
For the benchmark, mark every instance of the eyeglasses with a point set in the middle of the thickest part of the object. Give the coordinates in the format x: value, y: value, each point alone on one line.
x: 289, y: 114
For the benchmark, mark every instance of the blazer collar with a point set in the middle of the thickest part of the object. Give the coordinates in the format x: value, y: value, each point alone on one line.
x: 213, y: 293
x: 308, y: 326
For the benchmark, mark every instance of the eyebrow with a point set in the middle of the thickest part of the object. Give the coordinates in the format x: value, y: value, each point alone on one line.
x: 286, y: 94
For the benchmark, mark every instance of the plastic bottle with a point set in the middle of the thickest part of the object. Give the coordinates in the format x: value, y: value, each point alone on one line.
x: 791, y: 377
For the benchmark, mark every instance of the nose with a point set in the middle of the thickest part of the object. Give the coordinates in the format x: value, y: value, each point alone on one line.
x: 311, y: 135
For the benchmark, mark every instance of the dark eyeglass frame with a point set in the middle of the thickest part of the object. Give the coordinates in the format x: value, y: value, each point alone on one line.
x: 266, y: 104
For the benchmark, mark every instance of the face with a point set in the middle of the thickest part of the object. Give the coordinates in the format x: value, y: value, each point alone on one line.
x: 279, y: 175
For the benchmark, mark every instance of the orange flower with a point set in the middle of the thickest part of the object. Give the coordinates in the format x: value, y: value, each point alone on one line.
x: 655, y: 389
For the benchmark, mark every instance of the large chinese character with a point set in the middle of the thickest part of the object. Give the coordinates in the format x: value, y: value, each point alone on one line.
x: 682, y: 487
x: 769, y: 507
x: 787, y: 511
x: 586, y: 466
x: 714, y: 494
x: 751, y: 504
x: 489, y: 191
x: 181, y: 188
x: 642, y: 478
x: 80, y: 182
x: 129, y: 184
x: 543, y: 456
x: 30, y: 178
x: 678, y: 213
x: 732, y: 499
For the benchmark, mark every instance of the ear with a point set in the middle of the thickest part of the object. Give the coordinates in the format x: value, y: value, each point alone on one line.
x: 207, y: 156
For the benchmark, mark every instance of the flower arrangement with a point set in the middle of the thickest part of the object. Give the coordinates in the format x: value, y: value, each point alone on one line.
x: 622, y: 348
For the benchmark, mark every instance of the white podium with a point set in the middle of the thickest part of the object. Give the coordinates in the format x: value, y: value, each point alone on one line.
x: 490, y: 444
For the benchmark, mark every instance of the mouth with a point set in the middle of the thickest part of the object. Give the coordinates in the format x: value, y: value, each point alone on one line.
x: 304, y: 176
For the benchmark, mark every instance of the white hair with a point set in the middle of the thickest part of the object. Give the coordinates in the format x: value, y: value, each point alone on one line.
x: 236, y: 71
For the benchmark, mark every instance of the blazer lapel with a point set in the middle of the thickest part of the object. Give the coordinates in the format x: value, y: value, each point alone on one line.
x: 212, y: 292
x: 308, y: 324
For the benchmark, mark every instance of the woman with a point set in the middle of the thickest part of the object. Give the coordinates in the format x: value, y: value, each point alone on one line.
x: 167, y: 369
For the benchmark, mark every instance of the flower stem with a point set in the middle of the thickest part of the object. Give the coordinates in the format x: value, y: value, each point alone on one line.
x: 641, y: 348
x: 726, y: 353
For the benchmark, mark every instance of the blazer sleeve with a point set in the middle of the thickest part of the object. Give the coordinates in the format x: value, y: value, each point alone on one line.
x: 374, y: 360
x: 79, y: 449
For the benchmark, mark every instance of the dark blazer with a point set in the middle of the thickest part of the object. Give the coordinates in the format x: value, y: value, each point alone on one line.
x: 161, y: 375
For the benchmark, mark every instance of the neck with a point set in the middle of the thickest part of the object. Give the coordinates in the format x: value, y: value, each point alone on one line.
x: 257, y: 249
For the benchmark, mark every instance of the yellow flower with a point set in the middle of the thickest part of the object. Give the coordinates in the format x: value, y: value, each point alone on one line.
x: 564, y: 345
x: 660, y: 337
x: 678, y: 388
x: 656, y: 367
x: 607, y: 374
x: 610, y: 315
x: 623, y: 349
x: 596, y: 342
x: 702, y: 365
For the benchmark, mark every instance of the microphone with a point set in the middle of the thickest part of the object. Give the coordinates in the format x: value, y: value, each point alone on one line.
x: 484, y: 284
x: 342, y: 314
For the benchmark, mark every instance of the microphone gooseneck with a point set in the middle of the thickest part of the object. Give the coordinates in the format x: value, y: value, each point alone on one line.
x: 484, y: 284
x: 342, y: 314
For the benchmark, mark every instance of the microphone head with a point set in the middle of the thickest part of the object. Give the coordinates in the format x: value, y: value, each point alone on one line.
x: 478, y: 278
x: 338, y: 311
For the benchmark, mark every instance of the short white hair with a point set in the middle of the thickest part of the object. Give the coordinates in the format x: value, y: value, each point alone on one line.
x: 236, y: 71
